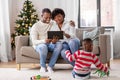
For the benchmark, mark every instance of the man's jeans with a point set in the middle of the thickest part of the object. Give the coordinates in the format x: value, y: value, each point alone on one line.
x: 43, y: 50
x: 73, y: 45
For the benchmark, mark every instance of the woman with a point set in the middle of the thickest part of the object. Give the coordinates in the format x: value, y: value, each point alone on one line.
x: 70, y: 41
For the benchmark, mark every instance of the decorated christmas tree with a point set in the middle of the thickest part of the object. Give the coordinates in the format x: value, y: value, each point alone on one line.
x: 27, y: 18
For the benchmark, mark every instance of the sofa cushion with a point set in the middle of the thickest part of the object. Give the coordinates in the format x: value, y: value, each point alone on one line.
x: 94, y: 35
x: 96, y: 50
x: 29, y: 51
x: 79, y: 33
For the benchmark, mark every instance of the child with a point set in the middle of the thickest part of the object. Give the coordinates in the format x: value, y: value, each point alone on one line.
x: 83, y: 60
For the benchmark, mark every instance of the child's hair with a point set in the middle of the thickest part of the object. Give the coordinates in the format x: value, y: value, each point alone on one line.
x: 88, y: 40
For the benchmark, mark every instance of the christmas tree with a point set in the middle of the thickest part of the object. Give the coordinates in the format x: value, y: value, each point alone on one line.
x: 27, y: 18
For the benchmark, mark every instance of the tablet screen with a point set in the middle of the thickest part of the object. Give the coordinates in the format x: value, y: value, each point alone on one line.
x: 55, y: 33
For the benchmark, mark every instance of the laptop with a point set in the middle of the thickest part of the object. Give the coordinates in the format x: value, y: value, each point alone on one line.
x: 51, y: 34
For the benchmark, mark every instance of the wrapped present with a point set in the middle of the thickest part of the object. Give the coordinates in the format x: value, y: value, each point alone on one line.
x: 39, y: 77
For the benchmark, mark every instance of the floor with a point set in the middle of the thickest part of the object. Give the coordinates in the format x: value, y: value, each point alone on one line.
x: 62, y: 71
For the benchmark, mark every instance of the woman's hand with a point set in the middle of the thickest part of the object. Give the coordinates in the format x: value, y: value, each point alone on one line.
x: 66, y: 35
x: 72, y: 23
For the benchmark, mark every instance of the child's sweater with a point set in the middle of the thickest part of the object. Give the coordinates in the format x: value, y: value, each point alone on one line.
x: 83, y: 61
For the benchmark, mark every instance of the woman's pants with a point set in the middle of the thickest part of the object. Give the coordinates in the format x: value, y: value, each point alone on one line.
x: 73, y: 45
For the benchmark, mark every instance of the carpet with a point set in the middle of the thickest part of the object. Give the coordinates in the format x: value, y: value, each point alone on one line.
x: 59, y: 74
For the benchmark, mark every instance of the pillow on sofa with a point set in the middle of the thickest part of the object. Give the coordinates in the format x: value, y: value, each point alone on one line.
x: 94, y: 35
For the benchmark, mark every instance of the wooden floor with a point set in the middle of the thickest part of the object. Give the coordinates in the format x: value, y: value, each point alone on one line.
x: 12, y: 64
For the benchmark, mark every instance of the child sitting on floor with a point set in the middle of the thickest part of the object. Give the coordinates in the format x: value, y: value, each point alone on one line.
x: 83, y: 60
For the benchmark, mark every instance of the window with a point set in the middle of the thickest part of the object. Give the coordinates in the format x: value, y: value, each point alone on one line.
x: 95, y: 13
x: 106, y: 13
x: 88, y: 13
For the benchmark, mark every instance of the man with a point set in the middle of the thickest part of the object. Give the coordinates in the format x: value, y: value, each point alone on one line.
x: 43, y: 45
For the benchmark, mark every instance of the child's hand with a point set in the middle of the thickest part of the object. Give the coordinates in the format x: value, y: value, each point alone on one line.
x: 101, y: 73
x: 66, y: 51
x: 108, y: 73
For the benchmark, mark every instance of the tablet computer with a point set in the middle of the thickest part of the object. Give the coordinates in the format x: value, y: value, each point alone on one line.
x: 51, y: 34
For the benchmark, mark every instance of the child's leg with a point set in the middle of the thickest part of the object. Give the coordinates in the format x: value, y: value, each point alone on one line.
x: 80, y: 76
x: 73, y: 73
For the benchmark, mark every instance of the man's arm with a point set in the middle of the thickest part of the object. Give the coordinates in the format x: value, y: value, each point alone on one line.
x: 34, y: 36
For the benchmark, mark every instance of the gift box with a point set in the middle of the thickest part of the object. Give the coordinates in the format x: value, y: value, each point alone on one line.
x: 38, y: 77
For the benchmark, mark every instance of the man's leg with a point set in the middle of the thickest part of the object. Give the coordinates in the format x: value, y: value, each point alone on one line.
x: 55, y: 54
x: 43, y: 51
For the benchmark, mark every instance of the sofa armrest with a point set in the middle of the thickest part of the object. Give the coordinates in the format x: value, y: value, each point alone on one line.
x: 19, y: 42
x: 105, y: 48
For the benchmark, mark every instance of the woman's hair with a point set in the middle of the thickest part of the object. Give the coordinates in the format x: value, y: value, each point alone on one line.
x: 57, y: 11
x: 47, y: 10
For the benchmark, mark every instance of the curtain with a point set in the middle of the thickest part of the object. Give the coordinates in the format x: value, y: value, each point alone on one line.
x: 116, y: 38
x: 5, y: 47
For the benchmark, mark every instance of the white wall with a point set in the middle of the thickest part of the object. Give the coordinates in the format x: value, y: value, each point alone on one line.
x: 69, y: 6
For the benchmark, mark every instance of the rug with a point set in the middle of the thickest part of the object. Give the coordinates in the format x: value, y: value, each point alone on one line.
x: 59, y: 74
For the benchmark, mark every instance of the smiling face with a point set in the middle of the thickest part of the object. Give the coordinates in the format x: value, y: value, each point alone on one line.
x: 46, y: 17
x: 58, y: 15
x: 87, y: 46
x: 59, y: 19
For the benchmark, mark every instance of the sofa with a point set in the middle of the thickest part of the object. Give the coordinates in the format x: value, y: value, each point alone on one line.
x: 25, y: 53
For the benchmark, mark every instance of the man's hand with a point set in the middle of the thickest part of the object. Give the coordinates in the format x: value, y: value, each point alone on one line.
x: 48, y: 40
x: 55, y: 39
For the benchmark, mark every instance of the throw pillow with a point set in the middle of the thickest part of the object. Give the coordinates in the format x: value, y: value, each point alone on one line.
x: 94, y: 35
